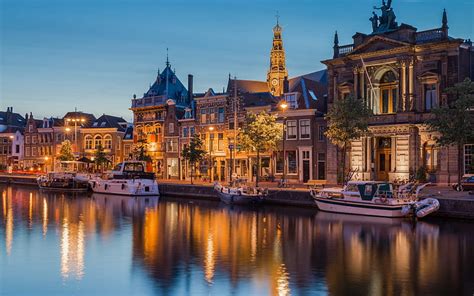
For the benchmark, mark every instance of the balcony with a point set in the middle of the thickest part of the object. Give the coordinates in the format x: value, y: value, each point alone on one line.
x: 430, y: 35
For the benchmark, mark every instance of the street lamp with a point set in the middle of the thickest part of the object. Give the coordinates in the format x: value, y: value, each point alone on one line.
x: 75, y: 120
x: 211, y: 177
x: 283, y: 106
x: 46, y: 163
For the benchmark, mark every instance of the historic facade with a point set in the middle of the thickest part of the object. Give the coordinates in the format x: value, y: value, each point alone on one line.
x: 401, y: 73
x: 277, y: 73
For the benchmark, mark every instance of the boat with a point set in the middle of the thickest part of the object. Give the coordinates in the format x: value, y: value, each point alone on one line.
x: 374, y: 198
x: 240, y: 194
x: 127, y: 178
x: 62, y: 181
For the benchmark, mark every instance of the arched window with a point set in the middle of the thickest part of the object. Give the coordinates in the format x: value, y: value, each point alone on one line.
x: 88, y: 142
x: 97, y: 141
x: 108, y: 142
x: 388, y: 93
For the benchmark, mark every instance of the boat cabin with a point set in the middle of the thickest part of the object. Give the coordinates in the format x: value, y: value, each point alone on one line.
x: 131, y: 170
x: 367, y: 190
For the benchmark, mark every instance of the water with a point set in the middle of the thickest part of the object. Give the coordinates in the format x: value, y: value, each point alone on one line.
x: 56, y: 244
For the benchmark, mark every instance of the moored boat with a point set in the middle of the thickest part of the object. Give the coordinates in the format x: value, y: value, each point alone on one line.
x: 62, y: 181
x: 373, y: 198
x: 127, y: 178
x: 240, y: 194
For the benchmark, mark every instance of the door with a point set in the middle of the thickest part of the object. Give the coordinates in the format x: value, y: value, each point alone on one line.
x: 384, y: 158
x: 306, y: 172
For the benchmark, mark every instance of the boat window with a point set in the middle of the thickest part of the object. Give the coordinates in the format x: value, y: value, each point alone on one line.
x: 118, y: 167
x: 352, y: 188
x: 134, y: 167
x: 368, y: 190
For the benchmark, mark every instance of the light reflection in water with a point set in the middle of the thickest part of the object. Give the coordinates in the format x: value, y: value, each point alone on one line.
x: 177, y: 247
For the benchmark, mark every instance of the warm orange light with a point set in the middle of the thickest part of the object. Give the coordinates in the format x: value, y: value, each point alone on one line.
x: 68, y: 129
x: 211, y: 128
x: 46, y: 158
x: 11, y: 137
x: 283, y: 105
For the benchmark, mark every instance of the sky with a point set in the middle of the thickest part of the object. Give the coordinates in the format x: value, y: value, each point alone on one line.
x: 93, y: 55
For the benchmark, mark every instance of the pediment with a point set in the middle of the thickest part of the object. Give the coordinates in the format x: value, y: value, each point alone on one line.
x: 378, y: 43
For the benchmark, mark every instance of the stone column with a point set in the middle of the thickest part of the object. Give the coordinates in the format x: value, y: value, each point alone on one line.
x: 411, y: 81
x: 403, y: 81
x: 355, y: 70
x: 362, y: 83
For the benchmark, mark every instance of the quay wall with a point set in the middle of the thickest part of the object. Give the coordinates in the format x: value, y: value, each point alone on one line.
x: 449, y: 207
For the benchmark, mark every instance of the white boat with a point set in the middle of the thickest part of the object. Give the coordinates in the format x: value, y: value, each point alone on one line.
x: 372, y: 198
x: 62, y: 181
x: 127, y: 178
x: 240, y: 194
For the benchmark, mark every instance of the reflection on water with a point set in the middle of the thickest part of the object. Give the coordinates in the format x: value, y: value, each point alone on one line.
x: 121, y: 245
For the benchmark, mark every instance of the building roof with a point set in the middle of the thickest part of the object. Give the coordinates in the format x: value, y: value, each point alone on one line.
x: 167, y: 84
x: 109, y: 121
x: 258, y: 99
x: 11, y: 121
x: 313, y: 89
x: 247, y: 86
x: 128, y: 135
x: 89, y: 118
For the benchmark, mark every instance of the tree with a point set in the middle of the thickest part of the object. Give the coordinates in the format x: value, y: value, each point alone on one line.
x: 454, y: 122
x: 65, y: 153
x: 261, y: 133
x: 140, y: 151
x: 100, y: 158
x: 348, y: 120
x: 193, y: 153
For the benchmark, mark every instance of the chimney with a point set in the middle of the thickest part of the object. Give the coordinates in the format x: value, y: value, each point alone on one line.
x: 286, y: 85
x: 190, y: 88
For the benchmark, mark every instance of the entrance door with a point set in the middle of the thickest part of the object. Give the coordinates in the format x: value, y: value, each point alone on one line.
x: 306, y: 176
x: 384, y: 158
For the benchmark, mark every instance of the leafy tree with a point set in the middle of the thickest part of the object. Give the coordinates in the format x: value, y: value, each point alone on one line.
x: 100, y: 157
x: 193, y: 153
x: 140, y: 151
x: 454, y: 122
x: 65, y: 153
x: 348, y: 120
x: 261, y: 133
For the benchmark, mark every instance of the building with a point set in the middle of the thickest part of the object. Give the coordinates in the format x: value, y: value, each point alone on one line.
x: 401, y: 73
x: 155, y: 118
x: 11, y: 138
x: 106, y: 131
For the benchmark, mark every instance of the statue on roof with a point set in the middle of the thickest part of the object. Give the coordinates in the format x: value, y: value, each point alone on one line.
x: 386, y: 20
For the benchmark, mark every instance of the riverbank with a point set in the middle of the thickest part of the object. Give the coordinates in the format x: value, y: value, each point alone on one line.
x: 452, y: 204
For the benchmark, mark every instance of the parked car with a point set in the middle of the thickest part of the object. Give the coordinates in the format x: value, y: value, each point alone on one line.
x: 467, y: 183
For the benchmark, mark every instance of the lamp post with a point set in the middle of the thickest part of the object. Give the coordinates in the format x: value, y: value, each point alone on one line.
x: 75, y: 120
x: 211, y: 177
x: 46, y: 163
x: 283, y: 106
x: 231, y: 162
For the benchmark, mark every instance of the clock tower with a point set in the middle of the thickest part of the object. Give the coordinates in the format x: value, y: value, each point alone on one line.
x: 277, y: 72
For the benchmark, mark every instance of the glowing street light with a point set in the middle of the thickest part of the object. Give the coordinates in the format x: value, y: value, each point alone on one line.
x: 211, y: 129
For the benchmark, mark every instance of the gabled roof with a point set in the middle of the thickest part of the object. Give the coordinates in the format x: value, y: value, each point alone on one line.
x: 10, y: 119
x: 89, y: 118
x: 167, y: 84
x: 258, y: 99
x: 109, y: 121
x: 128, y: 135
x: 247, y: 86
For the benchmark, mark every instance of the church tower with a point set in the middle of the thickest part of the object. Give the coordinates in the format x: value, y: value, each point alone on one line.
x: 277, y: 72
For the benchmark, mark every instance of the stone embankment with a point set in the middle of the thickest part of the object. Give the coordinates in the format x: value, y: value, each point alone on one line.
x: 457, y: 206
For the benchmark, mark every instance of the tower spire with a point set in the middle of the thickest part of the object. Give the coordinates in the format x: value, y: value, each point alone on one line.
x: 445, y: 19
x: 167, y: 58
x: 278, y: 18
x: 277, y: 71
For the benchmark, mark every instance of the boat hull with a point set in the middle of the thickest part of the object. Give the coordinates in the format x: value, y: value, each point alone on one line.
x: 236, y: 199
x: 125, y: 187
x: 356, y: 208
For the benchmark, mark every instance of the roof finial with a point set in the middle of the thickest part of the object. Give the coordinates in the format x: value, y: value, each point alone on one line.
x: 445, y: 19
x: 336, y: 39
x: 278, y: 18
x: 167, y: 58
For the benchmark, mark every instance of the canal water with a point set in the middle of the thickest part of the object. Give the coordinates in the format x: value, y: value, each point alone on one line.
x: 59, y: 244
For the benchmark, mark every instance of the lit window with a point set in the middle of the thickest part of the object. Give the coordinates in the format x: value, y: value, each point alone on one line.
x: 221, y: 116
x: 212, y: 115
x: 203, y: 115
x: 97, y: 141
x: 88, y: 142
x: 305, y: 129
x: 108, y: 142
x: 220, y: 142
x: 291, y: 130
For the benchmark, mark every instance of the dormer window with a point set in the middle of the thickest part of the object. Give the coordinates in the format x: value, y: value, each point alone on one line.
x: 103, y: 124
x: 291, y: 99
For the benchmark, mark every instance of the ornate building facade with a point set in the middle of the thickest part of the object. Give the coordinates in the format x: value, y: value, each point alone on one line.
x: 401, y: 73
x: 277, y: 73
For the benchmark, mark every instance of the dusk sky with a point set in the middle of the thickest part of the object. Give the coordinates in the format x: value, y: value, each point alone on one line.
x: 94, y: 55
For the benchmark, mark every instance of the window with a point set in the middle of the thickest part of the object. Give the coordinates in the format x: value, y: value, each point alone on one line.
x: 291, y: 162
x: 118, y: 142
x: 212, y: 115
x: 97, y: 141
x: 388, y: 93
x: 27, y: 140
x: 185, y: 132
x: 171, y: 128
x: 279, y: 162
x: 305, y: 129
x: 88, y: 142
x: 30, y: 128
x: 291, y: 100
x: 321, y: 166
x: 108, y: 142
x: 431, y: 97
x: 34, y: 139
x: 221, y: 116
x: 17, y: 149
x: 469, y: 159
x: 203, y: 115
x: 220, y: 142
x: 172, y: 146
x: 321, y: 131
x: 192, y: 131
x: 28, y: 151
x: 430, y: 157
x: 291, y: 130
x: 211, y: 142
x: 33, y: 151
